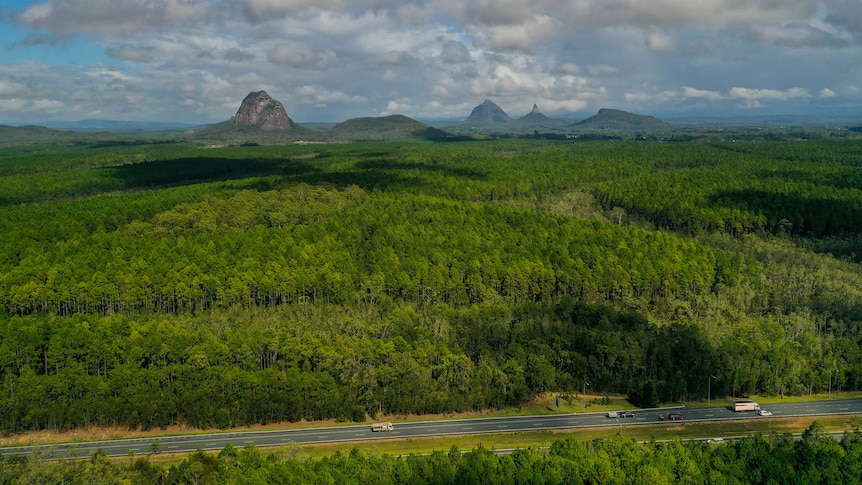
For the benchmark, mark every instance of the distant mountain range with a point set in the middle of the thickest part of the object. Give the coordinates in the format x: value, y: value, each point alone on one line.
x: 117, y: 126
x: 261, y: 119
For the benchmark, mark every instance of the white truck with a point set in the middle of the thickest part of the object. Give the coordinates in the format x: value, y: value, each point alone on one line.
x: 620, y: 414
x: 382, y: 427
x: 744, y: 406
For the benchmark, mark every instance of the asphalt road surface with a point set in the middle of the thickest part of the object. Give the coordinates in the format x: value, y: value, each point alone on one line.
x: 217, y: 441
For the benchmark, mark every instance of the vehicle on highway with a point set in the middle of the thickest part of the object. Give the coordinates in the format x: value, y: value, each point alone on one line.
x: 382, y: 427
x: 613, y: 414
x: 763, y: 412
x: 675, y: 417
x: 627, y: 414
x: 744, y: 406
x: 715, y: 440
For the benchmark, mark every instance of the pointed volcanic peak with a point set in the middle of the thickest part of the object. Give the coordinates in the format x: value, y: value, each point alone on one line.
x: 614, y: 119
x: 260, y: 110
x: 392, y: 127
x: 534, y: 116
x: 488, y: 112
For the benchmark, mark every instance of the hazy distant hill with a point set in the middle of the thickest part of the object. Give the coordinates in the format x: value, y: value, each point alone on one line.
x: 393, y: 127
x: 118, y: 126
x: 488, y: 112
x: 614, y: 119
x: 26, y: 135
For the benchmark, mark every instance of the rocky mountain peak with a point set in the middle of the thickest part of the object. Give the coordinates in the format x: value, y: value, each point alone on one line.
x: 488, y: 112
x: 535, y: 110
x: 259, y: 109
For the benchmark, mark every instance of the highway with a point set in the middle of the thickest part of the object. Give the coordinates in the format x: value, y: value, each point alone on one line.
x: 336, y: 434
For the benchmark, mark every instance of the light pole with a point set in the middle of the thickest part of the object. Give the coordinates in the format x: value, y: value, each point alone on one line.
x: 709, y: 390
x: 830, y: 384
x: 584, y: 394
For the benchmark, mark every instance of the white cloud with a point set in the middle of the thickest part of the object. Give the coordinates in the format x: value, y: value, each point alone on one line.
x: 395, y: 57
x: 795, y: 34
x: 538, y: 29
x: 768, y: 94
x: 396, y: 107
x: 454, y: 52
x: 571, y: 68
x: 131, y: 53
x: 352, y: 57
x: 320, y: 95
x: 694, y: 93
x: 67, y: 17
x: 601, y: 70
x: 650, y: 96
x: 40, y: 106
x: 11, y: 89
x: 263, y: 9
x: 299, y: 55
x: 641, y: 13
x: 826, y: 93
x: 659, y: 42
x: 249, y: 78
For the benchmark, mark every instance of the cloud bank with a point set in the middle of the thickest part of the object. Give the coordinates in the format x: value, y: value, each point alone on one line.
x: 327, y: 60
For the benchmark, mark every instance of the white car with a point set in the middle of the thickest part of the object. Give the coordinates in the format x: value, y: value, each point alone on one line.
x: 764, y: 412
x: 715, y: 440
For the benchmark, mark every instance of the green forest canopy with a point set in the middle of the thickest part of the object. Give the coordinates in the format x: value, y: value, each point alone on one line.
x: 147, y: 285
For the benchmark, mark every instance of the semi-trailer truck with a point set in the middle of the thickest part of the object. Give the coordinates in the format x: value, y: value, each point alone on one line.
x: 382, y: 427
x: 745, y: 406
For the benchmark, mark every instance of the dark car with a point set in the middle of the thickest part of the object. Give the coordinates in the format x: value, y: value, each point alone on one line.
x: 676, y: 417
x: 627, y: 414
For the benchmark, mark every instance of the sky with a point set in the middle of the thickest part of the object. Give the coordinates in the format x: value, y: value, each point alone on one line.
x: 193, y: 61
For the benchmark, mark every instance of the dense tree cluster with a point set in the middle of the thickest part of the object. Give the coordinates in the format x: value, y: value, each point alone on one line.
x: 816, y: 458
x: 219, y: 287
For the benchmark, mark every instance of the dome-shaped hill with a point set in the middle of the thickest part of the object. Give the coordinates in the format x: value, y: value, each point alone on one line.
x: 393, y: 127
x: 614, y: 119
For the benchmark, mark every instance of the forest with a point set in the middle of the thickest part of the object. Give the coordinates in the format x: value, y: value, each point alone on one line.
x: 151, y: 284
x: 817, y: 457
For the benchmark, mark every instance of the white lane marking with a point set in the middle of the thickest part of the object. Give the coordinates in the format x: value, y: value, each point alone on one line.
x: 468, y: 427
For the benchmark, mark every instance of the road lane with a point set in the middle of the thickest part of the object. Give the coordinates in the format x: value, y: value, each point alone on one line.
x: 217, y: 441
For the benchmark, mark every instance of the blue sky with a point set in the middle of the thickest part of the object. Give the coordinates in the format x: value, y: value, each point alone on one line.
x: 193, y: 61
